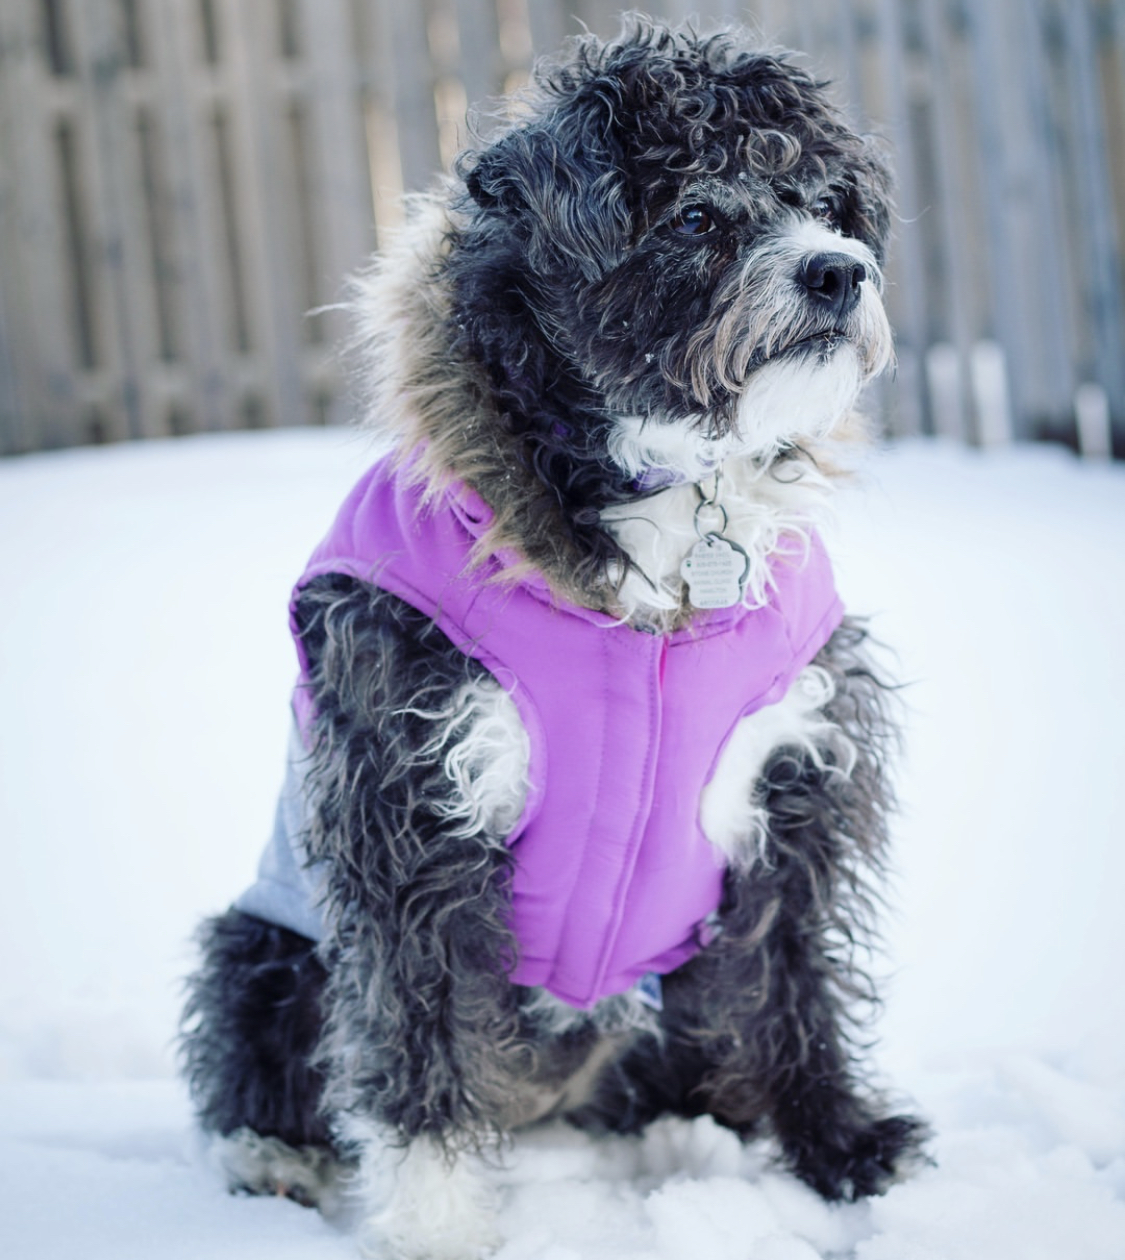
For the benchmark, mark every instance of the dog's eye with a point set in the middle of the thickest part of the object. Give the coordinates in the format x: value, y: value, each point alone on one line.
x: 693, y: 221
x: 827, y: 210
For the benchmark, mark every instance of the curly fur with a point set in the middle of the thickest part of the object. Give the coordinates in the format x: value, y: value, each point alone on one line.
x: 251, y: 1024
x: 669, y: 260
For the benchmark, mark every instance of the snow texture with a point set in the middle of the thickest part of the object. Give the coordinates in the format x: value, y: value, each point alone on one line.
x: 144, y: 676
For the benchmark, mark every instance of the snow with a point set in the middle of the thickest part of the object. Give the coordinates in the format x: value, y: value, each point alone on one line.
x: 144, y: 672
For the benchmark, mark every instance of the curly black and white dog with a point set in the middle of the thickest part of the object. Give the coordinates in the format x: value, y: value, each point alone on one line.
x: 587, y: 798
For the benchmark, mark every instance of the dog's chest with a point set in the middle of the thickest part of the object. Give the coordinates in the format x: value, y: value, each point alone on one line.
x: 733, y: 523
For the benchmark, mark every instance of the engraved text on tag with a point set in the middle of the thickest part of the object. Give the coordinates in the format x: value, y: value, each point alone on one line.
x: 714, y: 571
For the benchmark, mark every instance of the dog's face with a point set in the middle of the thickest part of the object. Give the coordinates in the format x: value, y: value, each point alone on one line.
x: 698, y: 237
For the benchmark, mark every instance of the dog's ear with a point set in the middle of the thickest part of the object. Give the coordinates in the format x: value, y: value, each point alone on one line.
x: 487, y: 180
x: 559, y: 190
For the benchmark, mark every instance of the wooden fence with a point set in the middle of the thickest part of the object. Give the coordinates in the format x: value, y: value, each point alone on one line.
x: 181, y: 180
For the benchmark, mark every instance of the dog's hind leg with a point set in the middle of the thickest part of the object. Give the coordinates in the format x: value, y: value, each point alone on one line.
x: 251, y: 1024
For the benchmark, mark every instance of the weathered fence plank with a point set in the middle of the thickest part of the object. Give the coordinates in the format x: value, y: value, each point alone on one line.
x: 375, y: 52
x: 49, y: 352
x: 906, y: 293
x: 340, y: 192
x: 1031, y: 221
x: 998, y: 151
x: 263, y: 191
x: 123, y: 311
x: 414, y: 102
x: 550, y: 24
x: 479, y: 70
x: 1102, y: 290
x: 192, y: 209
x: 956, y: 238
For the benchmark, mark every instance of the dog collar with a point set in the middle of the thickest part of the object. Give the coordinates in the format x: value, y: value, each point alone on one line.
x: 653, y: 480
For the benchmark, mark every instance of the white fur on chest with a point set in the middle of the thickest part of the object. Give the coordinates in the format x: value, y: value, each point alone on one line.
x: 759, y: 507
x: 732, y: 812
x: 486, y: 754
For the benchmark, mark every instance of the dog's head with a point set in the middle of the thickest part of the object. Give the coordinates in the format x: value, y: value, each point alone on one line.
x: 673, y: 256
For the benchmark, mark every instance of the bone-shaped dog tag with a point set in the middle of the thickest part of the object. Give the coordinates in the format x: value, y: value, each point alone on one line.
x: 715, y: 571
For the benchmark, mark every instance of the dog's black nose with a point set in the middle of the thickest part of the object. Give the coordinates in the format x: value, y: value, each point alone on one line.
x: 833, y: 281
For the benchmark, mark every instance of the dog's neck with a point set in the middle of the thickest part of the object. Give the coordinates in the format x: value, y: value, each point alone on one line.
x: 757, y: 506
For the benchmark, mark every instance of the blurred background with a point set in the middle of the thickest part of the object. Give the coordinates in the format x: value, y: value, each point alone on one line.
x: 181, y: 181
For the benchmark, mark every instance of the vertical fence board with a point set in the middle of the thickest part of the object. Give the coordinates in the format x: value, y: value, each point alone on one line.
x: 516, y: 41
x: 1102, y: 250
x: 549, y: 25
x: 91, y: 188
x: 1002, y: 170
x: 342, y: 189
x: 905, y: 277
x: 125, y: 309
x: 275, y: 352
x: 198, y: 286
x: 45, y: 350
x: 17, y: 401
x: 376, y: 54
x: 1064, y: 200
x: 840, y: 32
x: 1111, y: 52
x: 482, y: 71
x: 413, y: 81
x: 951, y: 197
x: 1032, y: 324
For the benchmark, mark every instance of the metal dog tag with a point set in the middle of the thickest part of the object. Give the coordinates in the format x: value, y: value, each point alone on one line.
x: 715, y: 571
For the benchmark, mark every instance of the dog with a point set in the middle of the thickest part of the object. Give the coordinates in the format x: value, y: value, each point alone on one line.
x: 586, y: 808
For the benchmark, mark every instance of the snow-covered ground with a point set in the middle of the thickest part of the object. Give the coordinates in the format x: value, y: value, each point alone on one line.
x: 144, y: 671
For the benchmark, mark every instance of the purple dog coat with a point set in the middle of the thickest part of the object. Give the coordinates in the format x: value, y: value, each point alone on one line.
x: 614, y: 877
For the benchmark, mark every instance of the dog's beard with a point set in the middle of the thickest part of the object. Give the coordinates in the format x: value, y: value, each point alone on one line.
x: 793, y: 398
x: 801, y: 395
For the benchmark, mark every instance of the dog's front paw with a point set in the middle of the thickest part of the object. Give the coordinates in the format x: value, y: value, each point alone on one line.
x: 309, y: 1175
x: 440, y: 1207
x: 865, y: 1162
